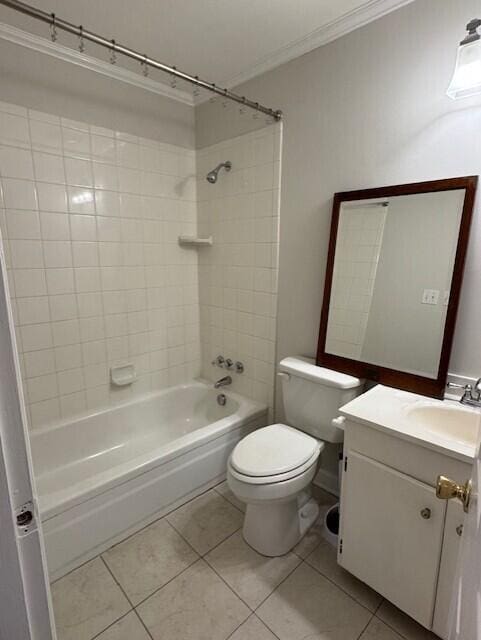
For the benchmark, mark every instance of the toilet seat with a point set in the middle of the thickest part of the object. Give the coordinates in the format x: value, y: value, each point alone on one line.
x: 273, y: 454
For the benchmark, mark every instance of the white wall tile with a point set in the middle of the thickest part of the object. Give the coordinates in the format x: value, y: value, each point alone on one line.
x: 26, y: 254
x: 19, y: 194
x: 33, y: 310
x: 14, y: 130
x: 91, y: 237
x: 51, y: 197
x: 22, y: 225
x: 49, y: 168
x: 54, y: 226
x: 45, y: 136
x: 16, y: 163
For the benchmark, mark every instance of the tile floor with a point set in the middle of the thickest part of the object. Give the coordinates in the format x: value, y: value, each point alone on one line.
x: 190, y: 576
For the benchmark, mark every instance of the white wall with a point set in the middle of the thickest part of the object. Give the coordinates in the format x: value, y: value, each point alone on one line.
x: 90, y: 219
x: 37, y: 81
x: 367, y: 110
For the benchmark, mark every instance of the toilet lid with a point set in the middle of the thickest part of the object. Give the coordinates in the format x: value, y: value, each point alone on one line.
x: 273, y: 450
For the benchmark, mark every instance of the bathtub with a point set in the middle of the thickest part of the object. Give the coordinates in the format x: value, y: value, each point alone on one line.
x: 106, y: 475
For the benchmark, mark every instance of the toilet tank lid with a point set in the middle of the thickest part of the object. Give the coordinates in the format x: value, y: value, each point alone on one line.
x: 307, y: 368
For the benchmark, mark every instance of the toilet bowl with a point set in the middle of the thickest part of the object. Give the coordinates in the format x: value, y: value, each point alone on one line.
x: 272, y: 468
x: 270, y: 471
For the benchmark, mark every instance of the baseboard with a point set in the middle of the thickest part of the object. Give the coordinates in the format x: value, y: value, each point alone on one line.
x: 327, y: 481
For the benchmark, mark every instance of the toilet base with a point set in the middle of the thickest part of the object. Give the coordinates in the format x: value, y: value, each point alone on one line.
x: 274, y: 529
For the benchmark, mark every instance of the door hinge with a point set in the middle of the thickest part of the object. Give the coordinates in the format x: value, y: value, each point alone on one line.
x: 345, y: 463
x: 340, y: 546
x: 25, y: 518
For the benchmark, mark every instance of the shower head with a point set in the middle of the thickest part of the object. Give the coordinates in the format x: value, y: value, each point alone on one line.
x: 212, y: 175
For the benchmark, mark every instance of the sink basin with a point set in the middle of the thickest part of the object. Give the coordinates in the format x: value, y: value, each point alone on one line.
x: 447, y: 421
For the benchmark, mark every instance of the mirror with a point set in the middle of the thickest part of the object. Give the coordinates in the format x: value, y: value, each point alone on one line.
x: 394, y: 272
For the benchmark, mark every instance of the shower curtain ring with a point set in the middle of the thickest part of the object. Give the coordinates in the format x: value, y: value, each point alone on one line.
x: 173, y: 79
x: 242, y: 109
x: 53, y: 28
x: 113, y: 55
x: 256, y: 112
x: 196, y: 91
x: 81, y: 43
x: 144, y: 65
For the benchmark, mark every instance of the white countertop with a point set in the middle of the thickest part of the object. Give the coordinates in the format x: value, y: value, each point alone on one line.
x: 386, y: 409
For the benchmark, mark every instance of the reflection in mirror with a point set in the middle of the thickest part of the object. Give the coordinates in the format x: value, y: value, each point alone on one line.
x: 392, y: 274
x: 393, y: 279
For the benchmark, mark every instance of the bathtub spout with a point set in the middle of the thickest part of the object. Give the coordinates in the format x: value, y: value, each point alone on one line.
x: 223, y: 382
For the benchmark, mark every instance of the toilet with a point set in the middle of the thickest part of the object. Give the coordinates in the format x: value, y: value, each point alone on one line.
x: 271, y: 469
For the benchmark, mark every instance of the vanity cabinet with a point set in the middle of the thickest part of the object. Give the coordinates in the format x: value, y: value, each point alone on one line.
x: 395, y: 535
x: 392, y: 534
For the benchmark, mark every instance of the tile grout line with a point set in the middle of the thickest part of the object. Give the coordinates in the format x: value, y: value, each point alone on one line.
x: 110, y: 625
x: 342, y: 588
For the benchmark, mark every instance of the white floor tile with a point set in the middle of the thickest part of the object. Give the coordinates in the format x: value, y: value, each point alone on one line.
x: 324, y: 559
x: 197, y: 605
x: 253, y: 629
x: 146, y: 561
x: 307, y: 605
x: 252, y: 576
x: 127, y: 628
x: 87, y: 601
x: 377, y: 630
x: 223, y: 489
x: 402, y: 623
x: 206, y: 521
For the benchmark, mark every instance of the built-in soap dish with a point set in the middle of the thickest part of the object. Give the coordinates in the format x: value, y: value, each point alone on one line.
x: 193, y: 241
x: 123, y: 375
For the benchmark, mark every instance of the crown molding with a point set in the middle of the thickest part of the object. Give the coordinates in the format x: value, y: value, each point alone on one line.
x: 55, y: 50
x: 368, y: 12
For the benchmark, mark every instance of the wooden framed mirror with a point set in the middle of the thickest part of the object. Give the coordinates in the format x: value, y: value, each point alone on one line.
x: 393, y: 280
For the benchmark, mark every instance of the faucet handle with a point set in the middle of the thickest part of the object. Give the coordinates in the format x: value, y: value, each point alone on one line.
x: 219, y: 361
x: 228, y: 363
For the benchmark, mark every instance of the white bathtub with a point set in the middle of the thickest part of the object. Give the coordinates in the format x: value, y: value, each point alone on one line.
x: 106, y: 475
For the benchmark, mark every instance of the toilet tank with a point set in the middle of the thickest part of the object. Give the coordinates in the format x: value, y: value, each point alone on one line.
x: 312, y: 396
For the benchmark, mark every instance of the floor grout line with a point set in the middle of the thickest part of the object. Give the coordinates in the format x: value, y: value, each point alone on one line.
x: 111, y: 624
x: 323, y: 575
x: 143, y: 624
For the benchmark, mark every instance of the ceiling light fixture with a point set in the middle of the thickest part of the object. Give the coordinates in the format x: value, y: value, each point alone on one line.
x: 466, y: 79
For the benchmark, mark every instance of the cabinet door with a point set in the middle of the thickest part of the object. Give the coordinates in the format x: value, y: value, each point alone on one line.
x: 447, y: 570
x: 391, y: 534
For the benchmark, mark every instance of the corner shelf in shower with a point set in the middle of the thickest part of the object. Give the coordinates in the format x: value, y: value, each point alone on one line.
x: 193, y: 241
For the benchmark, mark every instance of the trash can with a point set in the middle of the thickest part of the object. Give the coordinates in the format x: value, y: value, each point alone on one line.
x: 331, y: 525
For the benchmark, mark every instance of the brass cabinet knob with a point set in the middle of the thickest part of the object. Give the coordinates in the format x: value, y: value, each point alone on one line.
x: 425, y: 513
x: 446, y: 489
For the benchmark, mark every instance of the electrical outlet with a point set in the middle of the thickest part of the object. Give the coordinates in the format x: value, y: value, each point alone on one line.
x: 430, y: 296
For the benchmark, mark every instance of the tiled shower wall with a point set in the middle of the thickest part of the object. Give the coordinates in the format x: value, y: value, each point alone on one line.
x: 90, y: 219
x: 238, y: 274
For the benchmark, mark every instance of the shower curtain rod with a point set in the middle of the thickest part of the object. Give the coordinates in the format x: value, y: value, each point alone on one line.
x: 114, y: 47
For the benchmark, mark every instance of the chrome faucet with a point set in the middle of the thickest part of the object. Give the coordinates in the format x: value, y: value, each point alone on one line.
x: 471, y: 395
x: 223, y: 382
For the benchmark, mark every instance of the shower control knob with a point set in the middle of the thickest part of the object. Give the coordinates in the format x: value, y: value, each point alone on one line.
x: 219, y: 361
x: 228, y: 363
x: 239, y: 367
x: 425, y: 513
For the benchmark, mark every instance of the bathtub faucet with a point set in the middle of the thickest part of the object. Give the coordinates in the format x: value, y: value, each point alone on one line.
x: 223, y: 382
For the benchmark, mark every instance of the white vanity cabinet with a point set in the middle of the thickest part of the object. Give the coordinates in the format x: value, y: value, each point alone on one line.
x: 395, y: 535
x: 392, y: 534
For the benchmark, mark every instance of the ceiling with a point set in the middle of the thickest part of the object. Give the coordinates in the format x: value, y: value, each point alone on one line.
x: 226, y: 41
